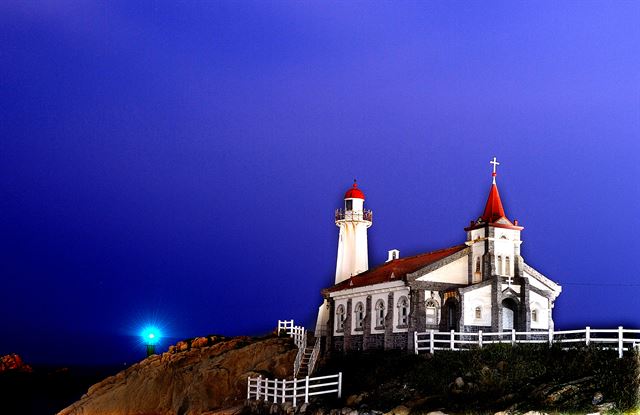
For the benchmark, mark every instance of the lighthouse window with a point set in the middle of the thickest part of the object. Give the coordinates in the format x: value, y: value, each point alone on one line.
x: 478, y: 313
x: 340, y: 318
x: 507, y: 266
x: 348, y: 205
x: 499, y: 265
x: 534, y: 315
x: 380, y: 314
x: 359, y: 311
x: 403, y: 311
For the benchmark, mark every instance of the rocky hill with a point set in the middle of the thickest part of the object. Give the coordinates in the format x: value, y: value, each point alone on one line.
x: 194, y: 377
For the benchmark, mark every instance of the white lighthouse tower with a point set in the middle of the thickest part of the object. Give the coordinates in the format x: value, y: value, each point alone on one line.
x: 353, y: 221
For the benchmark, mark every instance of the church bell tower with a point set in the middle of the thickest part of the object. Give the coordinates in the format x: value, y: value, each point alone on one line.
x: 353, y: 221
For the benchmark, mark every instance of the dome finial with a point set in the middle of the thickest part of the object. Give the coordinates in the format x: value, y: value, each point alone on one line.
x: 495, y: 164
x: 355, y: 183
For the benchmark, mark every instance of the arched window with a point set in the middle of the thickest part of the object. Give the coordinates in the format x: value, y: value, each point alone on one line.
x: 340, y: 318
x: 478, y: 266
x: 478, y: 312
x: 499, y: 270
x: 431, y: 307
x: 507, y: 266
x: 403, y: 311
x: 534, y: 315
x: 359, y: 316
x: 380, y: 314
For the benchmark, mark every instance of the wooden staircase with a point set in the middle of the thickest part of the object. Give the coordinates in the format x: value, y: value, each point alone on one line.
x: 304, y: 363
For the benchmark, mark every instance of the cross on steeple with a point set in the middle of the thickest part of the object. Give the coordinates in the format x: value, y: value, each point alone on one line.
x: 495, y: 164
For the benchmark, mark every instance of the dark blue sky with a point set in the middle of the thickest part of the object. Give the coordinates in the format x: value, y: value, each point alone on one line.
x: 181, y: 163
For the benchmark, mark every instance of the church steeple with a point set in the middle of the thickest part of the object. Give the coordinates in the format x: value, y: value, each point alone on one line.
x: 493, y: 210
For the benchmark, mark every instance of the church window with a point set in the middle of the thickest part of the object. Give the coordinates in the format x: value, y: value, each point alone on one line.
x: 359, y: 316
x: 477, y: 276
x: 340, y: 318
x: 507, y: 266
x: 403, y: 311
x: 499, y: 270
x: 348, y: 205
x: 380, y: 314
x: 431, y: 306
x: 478, y: 312
x: 534, y: 315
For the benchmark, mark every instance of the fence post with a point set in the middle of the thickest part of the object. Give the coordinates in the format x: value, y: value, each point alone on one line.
x: 588, y: 335
x: 339, y: 385
x: 295, y: 391
x: 249, y: 388
x: 306, y: 389
x: 620, y: 342
x: 513, y: 337
x: 480, y: 338
x: 452, y: 344
x: 550, y: 336
x: 258, y: 380
x: 431, y: 350
x: 415, y: 342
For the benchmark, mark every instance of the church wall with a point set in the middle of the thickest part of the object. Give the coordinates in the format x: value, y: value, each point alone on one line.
x: 455, y: 272
x: 375, y: 342
x: 477, y: 298
x: 541, y: 305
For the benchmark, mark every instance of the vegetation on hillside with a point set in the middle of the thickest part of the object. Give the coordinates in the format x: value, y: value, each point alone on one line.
x: 497, y: 377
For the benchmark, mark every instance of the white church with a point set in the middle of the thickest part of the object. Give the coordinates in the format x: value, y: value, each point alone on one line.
x: 481, y: 284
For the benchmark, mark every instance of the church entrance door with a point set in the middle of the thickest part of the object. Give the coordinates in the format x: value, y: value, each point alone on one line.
x: 450, y: 318
x: 509, y: 308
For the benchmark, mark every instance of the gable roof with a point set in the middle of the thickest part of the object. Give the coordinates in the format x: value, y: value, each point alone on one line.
x: 395, y: 270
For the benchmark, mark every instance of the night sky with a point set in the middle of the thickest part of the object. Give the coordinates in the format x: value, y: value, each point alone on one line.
x: 180, y: 164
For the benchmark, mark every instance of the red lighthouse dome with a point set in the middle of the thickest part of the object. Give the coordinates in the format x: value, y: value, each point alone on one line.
x: 354, y: 192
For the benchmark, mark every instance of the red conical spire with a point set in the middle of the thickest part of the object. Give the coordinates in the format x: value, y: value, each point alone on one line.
x: 493, y: 210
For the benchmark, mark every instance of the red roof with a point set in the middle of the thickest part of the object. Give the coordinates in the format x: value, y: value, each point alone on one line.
x: 395, y: 270
x: 493, y: 209
x: 354, y: 192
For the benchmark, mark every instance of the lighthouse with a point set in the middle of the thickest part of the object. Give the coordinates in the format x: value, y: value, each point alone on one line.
x: 353, y: 221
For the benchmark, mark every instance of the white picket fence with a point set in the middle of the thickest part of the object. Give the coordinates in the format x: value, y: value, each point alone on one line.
x: 281, y: 390
x: 299, y: 335
x: 620, y: 339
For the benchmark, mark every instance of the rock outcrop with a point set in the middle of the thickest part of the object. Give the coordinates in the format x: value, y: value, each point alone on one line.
x: 188, y: 382
x: 13, y: 362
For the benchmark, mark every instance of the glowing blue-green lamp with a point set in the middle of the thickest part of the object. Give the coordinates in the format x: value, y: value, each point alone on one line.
x: 151, y: 336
